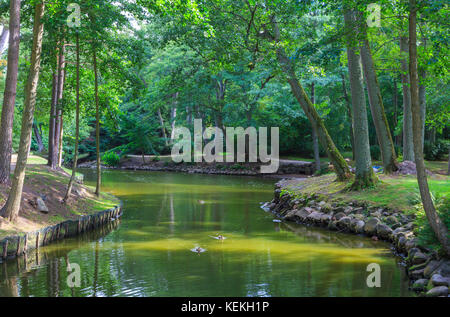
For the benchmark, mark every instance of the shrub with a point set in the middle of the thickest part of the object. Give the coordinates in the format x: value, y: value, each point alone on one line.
x: 111, y: 159
x: 436, y: 151
x: 424, y: 232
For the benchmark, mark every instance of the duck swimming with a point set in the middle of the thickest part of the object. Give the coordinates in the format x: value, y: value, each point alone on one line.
x: 198, y: 250
x: 219, y: 237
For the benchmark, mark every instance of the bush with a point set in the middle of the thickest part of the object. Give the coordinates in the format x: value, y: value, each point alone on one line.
x: 424, y: 232
x: 111, y: 159
x: 436, y: 151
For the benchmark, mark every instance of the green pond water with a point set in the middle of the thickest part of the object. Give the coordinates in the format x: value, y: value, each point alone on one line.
x: 148, y: 252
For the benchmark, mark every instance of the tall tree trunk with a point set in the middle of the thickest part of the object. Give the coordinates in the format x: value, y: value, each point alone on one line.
x: 52, y: 119
x: 77, y: 123
x: 364, y: 175
x: 340, y: 165
x: 423, y: 94
x: 376, y: 105
x: 315, y: 138
x: 9, y: 96
x: 59, y: 112
x: 436, y: 223
x: 398, y: 138
x: 408, y: 146
x: 349, y: 114
x: 38, y: 137
x: 97, y: 124
x: 12, y: 206
x: 5, y: 33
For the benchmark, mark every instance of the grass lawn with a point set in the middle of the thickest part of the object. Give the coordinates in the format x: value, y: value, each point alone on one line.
x: 398, y: 192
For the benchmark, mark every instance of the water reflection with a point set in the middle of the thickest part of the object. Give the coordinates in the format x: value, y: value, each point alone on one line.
x: 149, y: 252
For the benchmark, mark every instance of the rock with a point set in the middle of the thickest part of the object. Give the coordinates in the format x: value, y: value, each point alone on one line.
x: 370, y: 227
x: 419, y: 258
x: 401, y: 243
x: 416, y: 274
x: 420, y: 285
x: 326, y: 208
x: 315, y: 217
x: 359, y: 227
x: 391, y: 220
x: 411, y: 243
x: 375, y: 214
x: 444, y: 269
x: 438, y: 291
x: 349, y: 210
x: 383, y: 231
x: 339, y: 215
x: 41, y: 206
x: 344, y: 223
x: 439, y: 280
x: 431, y: 268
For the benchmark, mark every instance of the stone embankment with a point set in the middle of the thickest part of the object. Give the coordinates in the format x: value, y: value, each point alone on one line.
x: 428, y: 272
x: 243, y: 169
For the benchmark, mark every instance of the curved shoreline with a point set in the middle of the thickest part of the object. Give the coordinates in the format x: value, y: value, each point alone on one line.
x: 18, y: 245
x: 247, y: 169
x: 429, y: 273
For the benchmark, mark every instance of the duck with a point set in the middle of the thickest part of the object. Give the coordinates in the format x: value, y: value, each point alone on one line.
x: 201, y: 202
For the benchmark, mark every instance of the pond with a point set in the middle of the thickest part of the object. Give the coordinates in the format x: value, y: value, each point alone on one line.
x: 149, y: 252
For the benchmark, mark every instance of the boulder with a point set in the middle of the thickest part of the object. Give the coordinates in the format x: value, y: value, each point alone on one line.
x: 391, y: 220
x: 344, y: 223
x: 315, y: 217
x: 439, y: 280
x: 359, y: 227
x: 419, y: 258
x: 370, y: 227
x: 339, y: 215
x: 383, y: 231
x: 420, y: 285
x: 416, y: 274
x: 431, y: 268
x: 438, y: 291
x: 41, y: 206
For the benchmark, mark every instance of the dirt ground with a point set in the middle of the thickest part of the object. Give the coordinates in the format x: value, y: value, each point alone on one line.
x: 51, y: 186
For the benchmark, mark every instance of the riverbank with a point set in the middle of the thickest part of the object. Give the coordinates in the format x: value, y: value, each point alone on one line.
x: 388, y: 212
x: 42, y: 206
x: 165, y: 164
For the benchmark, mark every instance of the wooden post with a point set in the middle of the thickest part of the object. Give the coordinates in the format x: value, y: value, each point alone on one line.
x: 25, y: 244
x: 5, y: 250
x: 18, y: 246
x: 37, y: 239
x: 45, y: 236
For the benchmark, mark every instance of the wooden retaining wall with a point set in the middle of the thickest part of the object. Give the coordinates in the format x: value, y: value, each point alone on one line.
x: 15, y: 246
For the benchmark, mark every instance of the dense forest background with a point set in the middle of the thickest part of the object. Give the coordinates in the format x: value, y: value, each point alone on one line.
x: 158, y: 70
